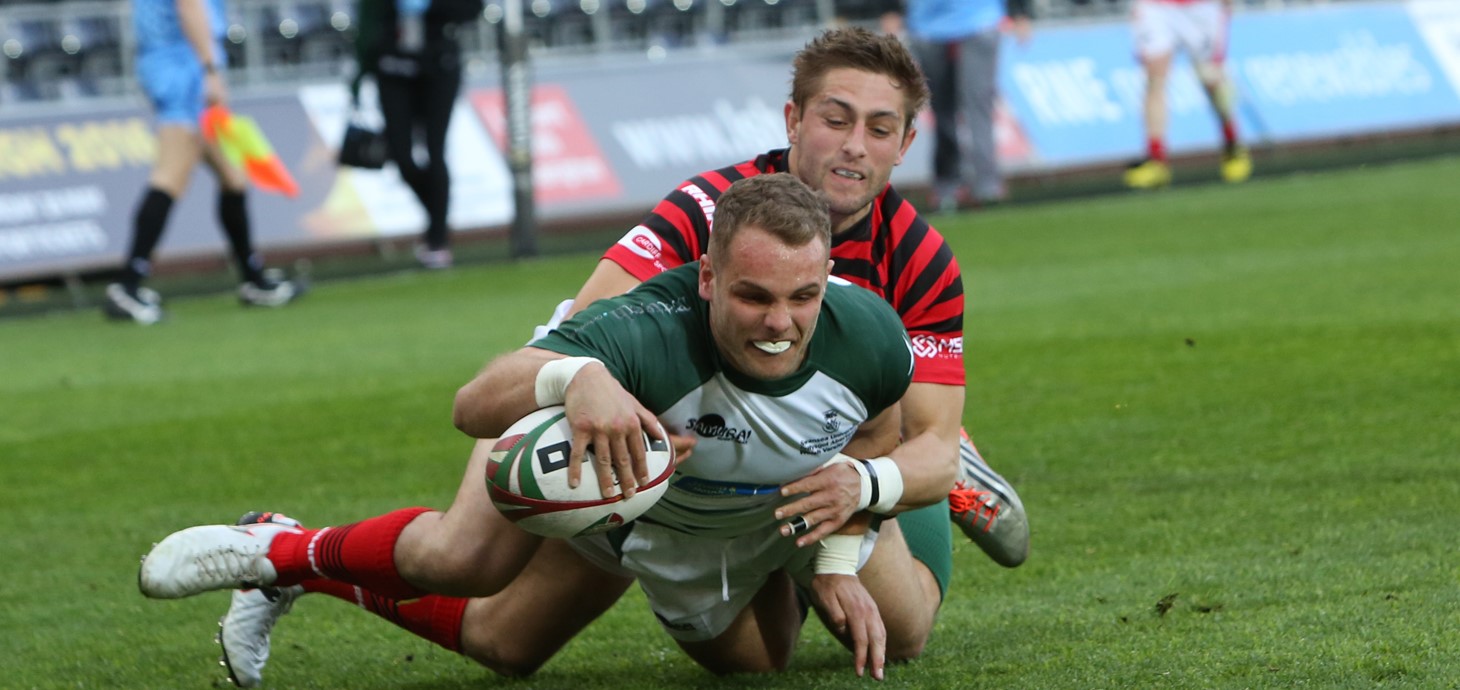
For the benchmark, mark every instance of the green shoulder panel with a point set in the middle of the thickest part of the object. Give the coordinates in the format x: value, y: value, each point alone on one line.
x: 654, y: 339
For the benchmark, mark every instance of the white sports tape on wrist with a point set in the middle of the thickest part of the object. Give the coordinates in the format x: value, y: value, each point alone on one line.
x: 881, y: 482
x: 551, y: 386
x: 837, y: 554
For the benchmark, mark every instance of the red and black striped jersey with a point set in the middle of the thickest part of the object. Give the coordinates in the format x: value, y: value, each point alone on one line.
x: 893, y: 252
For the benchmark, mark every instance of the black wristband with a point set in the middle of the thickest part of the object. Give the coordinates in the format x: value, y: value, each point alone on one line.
x: 872, y: 474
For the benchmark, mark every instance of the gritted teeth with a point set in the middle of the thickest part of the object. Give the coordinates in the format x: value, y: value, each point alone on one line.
x: 849, y: 174
x: 772, y: 347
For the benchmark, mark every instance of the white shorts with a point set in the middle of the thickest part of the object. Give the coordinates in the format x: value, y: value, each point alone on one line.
x: 560, y: 314
x: 698, y: 585
x: 1197, y: 26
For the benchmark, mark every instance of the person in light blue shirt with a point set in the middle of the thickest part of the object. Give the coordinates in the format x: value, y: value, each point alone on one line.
x: 957, y: 44
x: 180, y: 62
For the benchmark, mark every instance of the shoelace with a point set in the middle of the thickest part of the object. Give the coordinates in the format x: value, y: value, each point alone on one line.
x: 231, y: 564
x: 963, y: 500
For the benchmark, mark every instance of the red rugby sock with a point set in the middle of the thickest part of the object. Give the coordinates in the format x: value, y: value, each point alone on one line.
x: 362, y: 553
x: 1156, y: 150
x: 432, y: 617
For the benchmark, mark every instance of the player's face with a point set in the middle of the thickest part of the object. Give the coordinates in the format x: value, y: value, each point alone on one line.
x: 847, y: 139
x: 764, y: 299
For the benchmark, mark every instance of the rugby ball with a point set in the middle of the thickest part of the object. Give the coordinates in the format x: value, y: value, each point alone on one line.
x: 527, y: 479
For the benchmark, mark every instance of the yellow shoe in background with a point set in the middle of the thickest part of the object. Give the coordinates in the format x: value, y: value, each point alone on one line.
x: 1236, y: 165
x: 1148, y: 174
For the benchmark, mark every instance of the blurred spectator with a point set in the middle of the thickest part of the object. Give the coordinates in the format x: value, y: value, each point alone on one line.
x: 1200, y: 28
x: 957, y: 44
x: 411, y: 48
x: 180, y: 63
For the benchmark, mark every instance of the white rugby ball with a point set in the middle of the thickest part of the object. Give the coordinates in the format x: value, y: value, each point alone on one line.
x: 527, y: 479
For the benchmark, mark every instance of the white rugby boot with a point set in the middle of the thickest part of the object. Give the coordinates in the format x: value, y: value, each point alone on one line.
x: 988, y: 510
x: 209, y: 557
x: 243, y: 632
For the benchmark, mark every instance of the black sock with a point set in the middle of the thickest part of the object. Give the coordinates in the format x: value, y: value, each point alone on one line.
x: 147, y: 228
x: 233, y: 214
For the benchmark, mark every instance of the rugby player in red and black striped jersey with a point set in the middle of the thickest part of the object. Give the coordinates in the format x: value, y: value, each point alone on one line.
x: 887, y: 248
x: 848, y: 122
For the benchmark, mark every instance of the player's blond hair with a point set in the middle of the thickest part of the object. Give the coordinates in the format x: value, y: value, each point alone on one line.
x: 860, y: 49
x: 778, y: 203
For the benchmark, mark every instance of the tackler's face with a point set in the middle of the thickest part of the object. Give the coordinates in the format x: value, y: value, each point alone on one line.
x: 765, y: 298
x: 847, y: 138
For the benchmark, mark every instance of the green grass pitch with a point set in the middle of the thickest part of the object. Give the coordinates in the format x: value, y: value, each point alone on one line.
x: 1233, y: 414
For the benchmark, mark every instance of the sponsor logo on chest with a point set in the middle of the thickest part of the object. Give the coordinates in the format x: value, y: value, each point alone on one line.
x: 713, y: 426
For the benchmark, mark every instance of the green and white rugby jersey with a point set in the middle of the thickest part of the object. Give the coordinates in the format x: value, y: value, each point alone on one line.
x: 754, y: 435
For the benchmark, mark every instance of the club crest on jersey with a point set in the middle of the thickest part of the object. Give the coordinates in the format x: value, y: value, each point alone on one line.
x: 713, y: 426
x: 831, y: 422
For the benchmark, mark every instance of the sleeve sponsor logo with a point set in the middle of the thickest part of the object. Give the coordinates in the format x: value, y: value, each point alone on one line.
x: 934, y: 347
x: 643, y: 242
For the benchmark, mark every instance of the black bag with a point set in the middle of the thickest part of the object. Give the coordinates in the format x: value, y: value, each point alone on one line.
x: 363, y: 147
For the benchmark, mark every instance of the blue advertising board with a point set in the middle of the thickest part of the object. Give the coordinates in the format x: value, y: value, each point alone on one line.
x: 1076, y: 91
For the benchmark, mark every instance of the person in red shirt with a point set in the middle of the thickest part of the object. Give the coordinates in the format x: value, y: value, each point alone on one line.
x: 849, y: 122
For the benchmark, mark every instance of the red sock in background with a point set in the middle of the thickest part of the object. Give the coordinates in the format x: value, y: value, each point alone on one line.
x: 1156, y: 150
x: 432, y: 617
x: 1229, y: 134
x: 361, y: 554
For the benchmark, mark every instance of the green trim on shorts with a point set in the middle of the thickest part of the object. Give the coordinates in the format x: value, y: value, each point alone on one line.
x: 929, y: 537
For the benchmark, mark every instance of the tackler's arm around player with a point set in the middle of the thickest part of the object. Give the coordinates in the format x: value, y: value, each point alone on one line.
x: 932, y: 417
x: 602, y: 414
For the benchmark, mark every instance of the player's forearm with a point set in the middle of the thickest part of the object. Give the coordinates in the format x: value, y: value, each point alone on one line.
x: 929, y: 466
x: 502, y: 393
x: 197, y: 27
x: 932, y: 415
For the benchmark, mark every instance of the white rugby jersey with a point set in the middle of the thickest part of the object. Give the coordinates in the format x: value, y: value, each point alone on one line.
x: 754, y: 435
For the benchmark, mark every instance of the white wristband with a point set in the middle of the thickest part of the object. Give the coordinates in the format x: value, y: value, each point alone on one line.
x: 837, y: 554
x: 551, y: 386
x: 881, y: 483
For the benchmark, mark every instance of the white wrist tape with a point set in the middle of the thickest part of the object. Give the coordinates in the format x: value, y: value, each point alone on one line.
x: 838, y: 554
x: 881, y: 483
x: 551, y: 386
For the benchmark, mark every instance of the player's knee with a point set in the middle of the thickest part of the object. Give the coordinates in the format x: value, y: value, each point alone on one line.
x: 1210, y: 74
x: 905, y: 649
x: 445, y: 562
x: 508, y: 664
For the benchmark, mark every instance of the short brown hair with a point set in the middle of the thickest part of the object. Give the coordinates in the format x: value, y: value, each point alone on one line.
x: 778, y: 203
x: 858, y: 48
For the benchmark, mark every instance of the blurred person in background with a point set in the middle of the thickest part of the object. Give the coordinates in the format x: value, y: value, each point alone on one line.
x: 1199, y: 27
x: 180, y: 62
x: 411, y: 49
x: 956, y: 43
